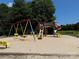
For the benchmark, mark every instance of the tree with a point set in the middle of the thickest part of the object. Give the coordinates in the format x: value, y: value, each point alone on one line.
x: 3, y: 11
x: 70, y: 26
x: 19, y: 3
x: 3, y: 17
x: 19, y: 11
x: 37, y: 11
x: 43, y: 10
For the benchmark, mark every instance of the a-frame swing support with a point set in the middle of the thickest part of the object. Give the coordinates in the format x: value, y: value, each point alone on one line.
x: 32, y: 29
x: 23, y: 31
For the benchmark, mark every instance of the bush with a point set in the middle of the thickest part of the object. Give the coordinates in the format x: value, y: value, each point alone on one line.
x: 72, y: 33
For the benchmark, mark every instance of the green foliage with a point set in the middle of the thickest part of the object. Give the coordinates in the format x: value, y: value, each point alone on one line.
x: 43, y: 10
x: 19, y: 3
x: 18, y: 10
x: 3, y: 18
x: 3, y: 11
x: 70, y: 27
x: 68, y: 32
x: 37, y: 10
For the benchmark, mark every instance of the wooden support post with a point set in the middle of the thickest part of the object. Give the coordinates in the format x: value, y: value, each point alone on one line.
x: 25, y: 29
x: 32, y: 29
x: 16, y: 30
x: 10, y: 30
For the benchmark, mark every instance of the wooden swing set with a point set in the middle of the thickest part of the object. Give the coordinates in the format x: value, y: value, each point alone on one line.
x: 23, y: 30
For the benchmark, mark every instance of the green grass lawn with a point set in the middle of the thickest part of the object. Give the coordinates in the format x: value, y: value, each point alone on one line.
x: 72, y: 33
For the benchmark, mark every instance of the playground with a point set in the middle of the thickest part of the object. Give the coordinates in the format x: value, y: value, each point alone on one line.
x: 40, y: 43
x: 39, y: 29
x: 19, y: 42
x: 48, y: 45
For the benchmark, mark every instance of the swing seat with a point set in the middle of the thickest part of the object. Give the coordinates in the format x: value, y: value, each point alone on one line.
x: 16, y: 34
x: 24, y: 36
x: 40, y: 37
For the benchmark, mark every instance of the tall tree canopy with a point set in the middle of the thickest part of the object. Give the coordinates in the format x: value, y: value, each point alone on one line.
x: 37, y: 10
x: 18, y: 10
x: 19, y: 3
x: 3, y: 17
x: 43, y: 10
x: 70, y: 27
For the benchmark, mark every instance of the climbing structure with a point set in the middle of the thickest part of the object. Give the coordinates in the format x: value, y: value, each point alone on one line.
x: 43, y: 29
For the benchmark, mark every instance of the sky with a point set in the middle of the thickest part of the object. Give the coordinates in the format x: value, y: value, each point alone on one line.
x: 66, y: 10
